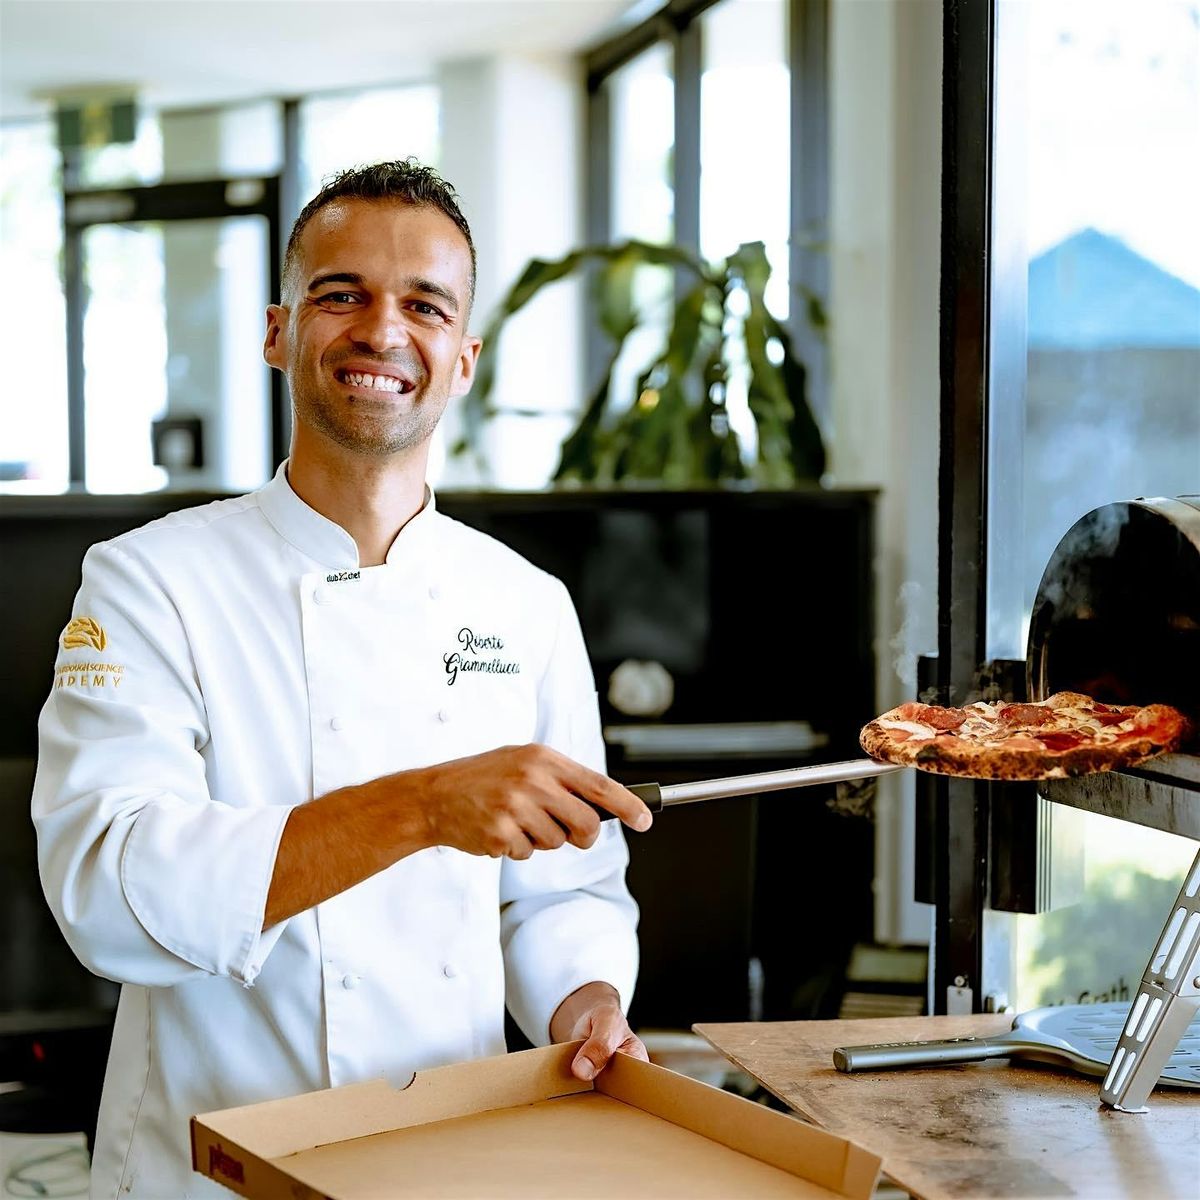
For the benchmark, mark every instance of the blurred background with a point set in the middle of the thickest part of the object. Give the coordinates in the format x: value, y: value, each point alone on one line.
x: 153, y: 155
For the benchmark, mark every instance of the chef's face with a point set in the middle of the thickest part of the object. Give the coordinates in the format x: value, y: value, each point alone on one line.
x: 372, y: 335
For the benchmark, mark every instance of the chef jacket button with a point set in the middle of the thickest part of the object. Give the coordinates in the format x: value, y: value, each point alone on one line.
x: 349, y: 982
x: 338, y: 723
x: 323, y: 595
x: 449, y: 970
x: 443, y: 715
x: 434, y: 591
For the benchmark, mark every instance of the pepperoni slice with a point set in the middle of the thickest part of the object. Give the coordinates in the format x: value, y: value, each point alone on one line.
x: 1065, y: 740
x: 940, y: 718
x: 1031, y: 716
x: 1109, y: 717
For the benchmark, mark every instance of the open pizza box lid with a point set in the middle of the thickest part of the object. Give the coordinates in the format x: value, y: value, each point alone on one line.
x: 521, y: 1125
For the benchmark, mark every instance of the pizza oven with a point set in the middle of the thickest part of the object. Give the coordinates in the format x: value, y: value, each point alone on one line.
x: 1117, y: 617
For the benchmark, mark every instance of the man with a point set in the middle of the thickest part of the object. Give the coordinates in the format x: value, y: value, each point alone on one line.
x: 269, y: 797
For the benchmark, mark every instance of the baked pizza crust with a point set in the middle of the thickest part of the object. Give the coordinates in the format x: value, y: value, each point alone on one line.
x: 945, y: 752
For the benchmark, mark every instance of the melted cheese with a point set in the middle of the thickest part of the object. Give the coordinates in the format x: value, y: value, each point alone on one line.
x: 917, y: 730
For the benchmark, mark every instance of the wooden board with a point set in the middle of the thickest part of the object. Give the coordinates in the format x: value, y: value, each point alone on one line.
x: 988, y: 1129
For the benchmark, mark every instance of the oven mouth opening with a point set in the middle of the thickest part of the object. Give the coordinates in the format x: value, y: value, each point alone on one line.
x: 1160, y: 666
x: 1117, y: 614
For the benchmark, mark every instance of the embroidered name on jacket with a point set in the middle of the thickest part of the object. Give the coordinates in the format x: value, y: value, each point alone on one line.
x: 477, y: 653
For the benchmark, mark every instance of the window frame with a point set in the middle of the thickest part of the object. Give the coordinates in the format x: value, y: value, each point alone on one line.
x: 677, y: 24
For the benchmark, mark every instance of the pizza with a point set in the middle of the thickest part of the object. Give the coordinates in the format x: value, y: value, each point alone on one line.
x: 1067, y: 734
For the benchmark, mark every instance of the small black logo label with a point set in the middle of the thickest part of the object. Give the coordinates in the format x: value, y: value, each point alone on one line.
x: 342, y: 576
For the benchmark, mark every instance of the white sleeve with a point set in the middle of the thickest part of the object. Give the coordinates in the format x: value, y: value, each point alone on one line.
x: 151, y: 880
x: 567, y: 917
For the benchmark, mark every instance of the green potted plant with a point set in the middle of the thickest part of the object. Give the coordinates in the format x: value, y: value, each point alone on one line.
x: 675, y: 430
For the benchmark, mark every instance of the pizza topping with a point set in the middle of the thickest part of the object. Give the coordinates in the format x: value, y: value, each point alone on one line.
x: 1027, y: 715
x: 908, y: 728
x: 1066, y: 734
x: 1022, y: 741
x: 1061, y: 740
x: 940, y: 718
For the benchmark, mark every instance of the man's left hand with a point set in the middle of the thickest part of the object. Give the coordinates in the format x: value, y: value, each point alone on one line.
x: 593, y: 1012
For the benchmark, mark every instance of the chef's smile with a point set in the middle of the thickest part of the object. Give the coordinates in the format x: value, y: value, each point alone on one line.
x: 373, y: 382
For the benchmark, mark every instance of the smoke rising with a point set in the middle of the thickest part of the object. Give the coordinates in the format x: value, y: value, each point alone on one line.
x: 903, y: 642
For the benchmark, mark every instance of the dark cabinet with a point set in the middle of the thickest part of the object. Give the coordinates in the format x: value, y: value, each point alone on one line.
x: 759, y: 604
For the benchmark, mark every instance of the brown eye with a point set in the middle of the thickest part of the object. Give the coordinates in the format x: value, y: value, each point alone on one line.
x: 425, y: 308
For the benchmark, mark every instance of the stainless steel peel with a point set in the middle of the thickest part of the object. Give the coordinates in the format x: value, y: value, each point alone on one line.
x: 658, y: 796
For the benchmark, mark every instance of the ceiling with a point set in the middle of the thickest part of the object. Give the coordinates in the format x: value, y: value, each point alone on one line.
x: 184, y: 53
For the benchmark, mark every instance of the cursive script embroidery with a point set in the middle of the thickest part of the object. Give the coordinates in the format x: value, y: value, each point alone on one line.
x: 473, y: 642
x: 467, y: 659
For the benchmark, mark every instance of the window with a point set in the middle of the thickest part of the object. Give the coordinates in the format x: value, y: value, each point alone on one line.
x: 1113, y: 327
x: 1098, y: 328
x: 180, y: 144
x: 33, y: 363
x: 194, y: 290
x: 642, y: 103
x: 347, y: 130
x: 125, y: 163
x: 744, y: 166
x: 744, y: 127
x: 693, y: 111
x: 641, y: 199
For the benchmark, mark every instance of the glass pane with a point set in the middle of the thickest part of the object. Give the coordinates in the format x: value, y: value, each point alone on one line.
x: 33, y: 408
x: 642, y: 107
x: 136, y: 162
x: 363, y: 127
x: 641, y: 198
x: 745, y: 136
x: 195, y: 292
x: 1114, y: 270
x: 745, y: 189
x: 1096, y: 950
x: 241, y: 139
x: 1102, y: 186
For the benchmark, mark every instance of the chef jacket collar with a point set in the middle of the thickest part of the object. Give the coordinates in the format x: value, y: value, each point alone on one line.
x: 325, y: 541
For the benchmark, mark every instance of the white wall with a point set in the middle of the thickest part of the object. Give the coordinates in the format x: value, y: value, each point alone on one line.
x: 885, y: 73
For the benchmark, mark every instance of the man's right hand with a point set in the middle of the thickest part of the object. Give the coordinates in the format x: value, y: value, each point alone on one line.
x: 510, y: 802
x: 515, y: 800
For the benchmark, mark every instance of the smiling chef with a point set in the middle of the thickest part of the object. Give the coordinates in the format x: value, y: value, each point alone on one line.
x: 313, y: 772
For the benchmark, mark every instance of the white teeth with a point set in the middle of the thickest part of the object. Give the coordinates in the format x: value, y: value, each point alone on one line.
x: 382, y: 383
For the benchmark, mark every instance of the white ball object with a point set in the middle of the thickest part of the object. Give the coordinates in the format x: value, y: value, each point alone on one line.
x: 641, y: 689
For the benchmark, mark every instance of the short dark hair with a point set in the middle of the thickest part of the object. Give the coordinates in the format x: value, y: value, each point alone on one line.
x: 404, y: 181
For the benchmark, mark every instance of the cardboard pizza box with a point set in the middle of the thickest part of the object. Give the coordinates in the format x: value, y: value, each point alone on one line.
x: 522, y: 1126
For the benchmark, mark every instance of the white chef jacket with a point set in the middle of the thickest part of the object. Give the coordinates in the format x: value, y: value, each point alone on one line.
x: 229, y: 662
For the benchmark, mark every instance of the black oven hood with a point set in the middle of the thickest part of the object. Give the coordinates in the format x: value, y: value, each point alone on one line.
x: 1117, y: 617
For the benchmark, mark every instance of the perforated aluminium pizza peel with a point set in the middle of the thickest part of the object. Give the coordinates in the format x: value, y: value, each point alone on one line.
x: 1080, y: 1036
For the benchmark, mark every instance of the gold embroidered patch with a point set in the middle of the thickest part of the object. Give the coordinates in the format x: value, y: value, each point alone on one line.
x: 84, y: 631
